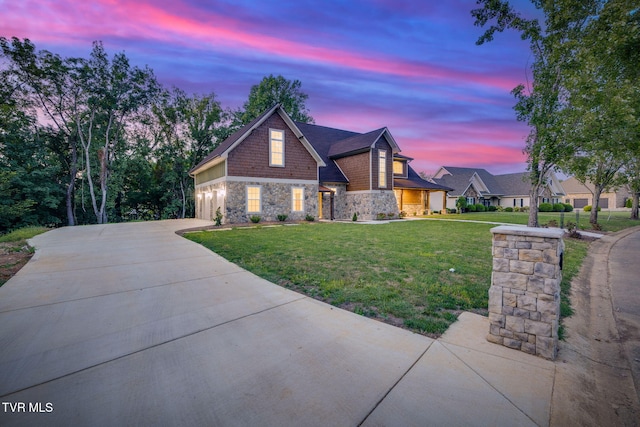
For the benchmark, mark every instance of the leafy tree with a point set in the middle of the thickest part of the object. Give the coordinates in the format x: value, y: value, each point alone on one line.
x: 603, y: 90
x: 44, y: 79
x: 270, y: 91
x: 539, y: 105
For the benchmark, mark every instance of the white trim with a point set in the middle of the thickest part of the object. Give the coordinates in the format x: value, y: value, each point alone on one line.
x: 380, y: 157
x: 271, y: 164
x: 283, y: 114
x: 259, y: 187
x: 370, y: 191
x: 271, y: 180
x: 293, y: 200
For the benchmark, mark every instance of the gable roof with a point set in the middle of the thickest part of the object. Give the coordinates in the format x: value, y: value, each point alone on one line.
x: 515, y: 184
x: 362, y: 142
x: 459, y: 180
x: 322, y: 138
x: 222, y: 150
x: 415, y: 181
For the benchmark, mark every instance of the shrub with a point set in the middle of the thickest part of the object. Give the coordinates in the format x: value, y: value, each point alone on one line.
x: 492, y: 208
x: 628, y: 203
x: 461, y: 203
x: 568, y: 207
x: 354, y: 218
x: 508, y: 209
x: 499, y: 208
x: 545, y: 207
x: 282, y: 217
x: 471, y: 208
x: 390, y: 215
x: 558, y: 207
x: 255, y: 219
x: 516, y: 209
x: 310, y: 218
x: 218, y: 217
x: 454, y: 210
x: 403, y: 214
x: 552, y: 223
x: 480, y: 207
x: 589, y: 207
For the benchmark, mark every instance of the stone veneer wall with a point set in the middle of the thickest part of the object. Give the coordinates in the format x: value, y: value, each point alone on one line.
x: 276, y: 199
x: 368, y: 204
x: 524, y: 298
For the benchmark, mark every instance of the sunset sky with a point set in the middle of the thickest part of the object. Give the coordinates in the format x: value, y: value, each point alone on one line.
x: 412, y: 66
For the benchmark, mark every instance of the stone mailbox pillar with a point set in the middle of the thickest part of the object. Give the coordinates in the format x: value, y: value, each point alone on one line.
x: 524, y: 298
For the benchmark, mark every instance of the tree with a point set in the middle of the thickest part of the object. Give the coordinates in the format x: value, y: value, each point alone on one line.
x: 112, y: 92
x: 540, y: 104
x: 461, y: 204
x: 44, y: 79
x: 603, y: 90
x: 269, y: 92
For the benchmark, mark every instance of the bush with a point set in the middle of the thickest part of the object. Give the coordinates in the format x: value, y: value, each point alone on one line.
x: 354, y: 218
x: 403, y: 214
x: 381, y: 216
x: 568, y: 207
x: 390, y: 215
x: 588, y: 208
x: 461, y: 203
x: 310, y: 218
x: 628, y: 203
x: 492, y: 208
x: 558, y: 207
x: 282, y: 217
x: 508, y: 209
x: 545, y: 207
x: 255, y: 219
x: 480, y: 208
x: 471, y: 208
x: 218, y: 217
x: 454, y: 210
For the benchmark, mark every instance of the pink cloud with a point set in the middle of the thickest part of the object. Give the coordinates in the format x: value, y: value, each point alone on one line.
x: 192, y: 26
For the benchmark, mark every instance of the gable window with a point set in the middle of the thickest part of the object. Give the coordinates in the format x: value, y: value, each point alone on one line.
x: 254, y: 199
x: 382, y: 168
x: 297, y: 199
x: 276, y: 147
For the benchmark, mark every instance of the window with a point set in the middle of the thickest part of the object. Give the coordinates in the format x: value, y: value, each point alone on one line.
x: 297, y: 199
x: 471, y: 200
x: 254, y: 199
x: 276, y: 147
x: 398, y: 167
x: 382, y: 168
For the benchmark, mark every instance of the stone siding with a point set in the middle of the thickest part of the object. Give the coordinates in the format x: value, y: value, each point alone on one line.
x: 524, y: 298
x: 276, y: 200
x: 369, y: 204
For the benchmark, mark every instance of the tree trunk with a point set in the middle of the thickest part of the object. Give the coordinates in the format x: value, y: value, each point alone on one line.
x: 597, y: 191
x: 533, y: 205
x: 184, y: 199
x: 71, y: 221
x: 634, y: 206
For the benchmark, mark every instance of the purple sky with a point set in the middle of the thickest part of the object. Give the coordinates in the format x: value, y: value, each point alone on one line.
x: 412, y: 66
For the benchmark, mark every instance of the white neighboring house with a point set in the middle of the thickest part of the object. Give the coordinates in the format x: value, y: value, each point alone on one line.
x: 481, y: 187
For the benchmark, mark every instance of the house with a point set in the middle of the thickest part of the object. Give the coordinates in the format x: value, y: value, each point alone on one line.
x: 481, y: 187
x: 275, y: 166
x: 580, y: 195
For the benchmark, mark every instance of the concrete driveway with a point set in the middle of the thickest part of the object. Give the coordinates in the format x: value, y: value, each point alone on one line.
x: 130, y: 324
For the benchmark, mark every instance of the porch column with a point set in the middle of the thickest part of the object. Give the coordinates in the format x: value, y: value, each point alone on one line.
x: 444, y: 201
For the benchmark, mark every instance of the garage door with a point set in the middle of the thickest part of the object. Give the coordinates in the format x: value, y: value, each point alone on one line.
x: 580, y: 203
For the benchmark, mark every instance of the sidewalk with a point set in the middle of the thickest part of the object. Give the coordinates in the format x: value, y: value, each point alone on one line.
x: 129, y: 324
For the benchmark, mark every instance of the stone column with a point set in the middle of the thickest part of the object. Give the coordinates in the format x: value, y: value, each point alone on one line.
x: 524, y: 298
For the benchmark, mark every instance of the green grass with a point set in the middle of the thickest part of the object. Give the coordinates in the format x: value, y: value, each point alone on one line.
x: 397, y: 272
x: 609, y: 221
x: 22, y: 234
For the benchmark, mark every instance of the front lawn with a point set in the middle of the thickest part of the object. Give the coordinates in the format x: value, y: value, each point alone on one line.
x: 414, y: 274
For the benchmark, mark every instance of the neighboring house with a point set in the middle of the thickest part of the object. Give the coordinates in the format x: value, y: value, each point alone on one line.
x: 275, y: 166
x: 479, y: 186
x: 580, y: 195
